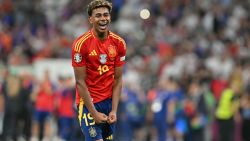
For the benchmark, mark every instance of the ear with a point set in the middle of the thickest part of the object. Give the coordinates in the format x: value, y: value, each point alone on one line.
x: 90, y: 19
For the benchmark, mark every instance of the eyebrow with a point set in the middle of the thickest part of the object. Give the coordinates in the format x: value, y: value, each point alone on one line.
x: 104, y: 13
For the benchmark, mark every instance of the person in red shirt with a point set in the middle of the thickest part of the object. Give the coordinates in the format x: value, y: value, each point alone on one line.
x: 65, y: 108
x: 43, y: 96
x: 98, y: 57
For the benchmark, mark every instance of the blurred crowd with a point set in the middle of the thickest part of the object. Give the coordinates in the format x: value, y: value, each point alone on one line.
x: 187, y: 76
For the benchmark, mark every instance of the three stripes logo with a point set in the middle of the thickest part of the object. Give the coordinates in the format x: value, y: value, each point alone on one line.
x: 109, y: 137
x: 93, y: 53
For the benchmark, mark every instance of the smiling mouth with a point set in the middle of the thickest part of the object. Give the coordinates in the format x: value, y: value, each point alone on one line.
x: 103, y: 26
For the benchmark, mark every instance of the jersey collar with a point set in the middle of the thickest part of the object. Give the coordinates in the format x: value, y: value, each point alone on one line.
x: 92, y: 32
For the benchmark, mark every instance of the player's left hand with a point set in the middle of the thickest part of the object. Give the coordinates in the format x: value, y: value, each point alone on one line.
x: 112, y: 117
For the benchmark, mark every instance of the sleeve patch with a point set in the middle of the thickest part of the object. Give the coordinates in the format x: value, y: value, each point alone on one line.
x: 122, y: 58
x: 77, y: 57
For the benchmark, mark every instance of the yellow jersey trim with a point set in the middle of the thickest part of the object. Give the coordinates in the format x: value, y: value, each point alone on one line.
x: 79, y: 43
x: 118, y: 37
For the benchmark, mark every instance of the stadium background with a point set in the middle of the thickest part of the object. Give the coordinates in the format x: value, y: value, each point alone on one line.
x: 182, y: 42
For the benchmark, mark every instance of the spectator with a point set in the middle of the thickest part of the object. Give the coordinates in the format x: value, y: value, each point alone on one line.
x: 43, y: 97
x: 65, y: 108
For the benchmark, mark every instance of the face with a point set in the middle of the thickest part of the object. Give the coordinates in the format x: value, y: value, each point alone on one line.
x: 100, y: 19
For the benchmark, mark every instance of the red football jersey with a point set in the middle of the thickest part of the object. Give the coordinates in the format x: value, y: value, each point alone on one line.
x: 45, y: 98
x: 100, y: 58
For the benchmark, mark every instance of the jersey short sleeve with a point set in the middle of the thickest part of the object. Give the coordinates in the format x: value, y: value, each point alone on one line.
x: 121, y: 49
x: 78, y: 51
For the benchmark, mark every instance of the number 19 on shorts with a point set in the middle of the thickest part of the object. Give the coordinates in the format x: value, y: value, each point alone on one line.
x: 88, y: 119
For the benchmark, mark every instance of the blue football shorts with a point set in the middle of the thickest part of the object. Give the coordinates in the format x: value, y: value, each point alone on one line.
x: 90, y: 129
x: 42, y: 116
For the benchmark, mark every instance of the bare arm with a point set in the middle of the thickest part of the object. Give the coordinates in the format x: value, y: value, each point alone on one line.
x: 117, y: 88
x: 80, y: 75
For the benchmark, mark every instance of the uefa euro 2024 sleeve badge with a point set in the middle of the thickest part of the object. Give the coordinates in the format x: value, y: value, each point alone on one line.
x: 92, y: 132
x: 103, y: 58
x: 77, y: 57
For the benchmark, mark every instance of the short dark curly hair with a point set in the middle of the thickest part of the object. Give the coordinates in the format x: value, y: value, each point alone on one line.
x: 98, y: 3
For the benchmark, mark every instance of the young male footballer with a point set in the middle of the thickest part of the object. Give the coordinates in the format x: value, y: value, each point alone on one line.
x: 98, y: 57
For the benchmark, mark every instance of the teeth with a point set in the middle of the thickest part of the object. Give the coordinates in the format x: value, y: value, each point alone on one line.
x: 103, y: 23
x: 102, y: 26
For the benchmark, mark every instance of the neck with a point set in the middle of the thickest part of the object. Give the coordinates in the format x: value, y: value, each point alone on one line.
x: 100, y: 35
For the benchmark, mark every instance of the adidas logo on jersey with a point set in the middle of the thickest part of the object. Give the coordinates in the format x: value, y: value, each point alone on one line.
x: 93, y: 53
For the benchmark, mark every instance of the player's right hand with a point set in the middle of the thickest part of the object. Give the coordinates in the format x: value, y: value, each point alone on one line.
x: 100, y: 118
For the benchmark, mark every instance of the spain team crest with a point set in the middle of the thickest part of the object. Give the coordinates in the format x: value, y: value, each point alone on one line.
x: 112, y: 52
x: 92, y: 132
